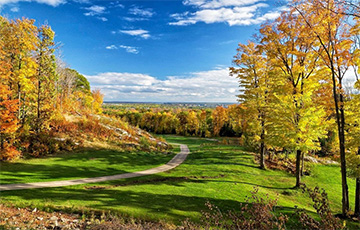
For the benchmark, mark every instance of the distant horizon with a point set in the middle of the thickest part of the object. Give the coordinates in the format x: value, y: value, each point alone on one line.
x: 167, y: 102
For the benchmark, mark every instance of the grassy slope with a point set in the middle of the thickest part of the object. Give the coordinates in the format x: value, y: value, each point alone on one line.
x: 80, y: 164
x: 223, y: 175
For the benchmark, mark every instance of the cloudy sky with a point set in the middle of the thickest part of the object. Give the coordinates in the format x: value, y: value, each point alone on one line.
x: 151, y: 51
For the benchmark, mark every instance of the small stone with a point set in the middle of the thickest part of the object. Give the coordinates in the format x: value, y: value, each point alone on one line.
x: 53, y: 218
x: 64, y: 219
x: 35, y: 209
x: 39, y: 218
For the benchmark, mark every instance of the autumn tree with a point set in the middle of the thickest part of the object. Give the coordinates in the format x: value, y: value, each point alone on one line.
x: 8, y: 106
x: 253, y: 78
x: 219, y: 119
x: 45, y: 77
x: 20, y: 37
x: 98, y: 100
x: 327, y: 21
x: 298, y: 122
x: 353, y: 141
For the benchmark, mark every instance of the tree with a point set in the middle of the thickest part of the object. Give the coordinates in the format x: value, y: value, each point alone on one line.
x: 8, y: 106
x: 297, y: 122
x: 98, y: 100
x: 254, y: 84
x: 327, y: 21
x: 353, y: 141
x: 220, y: 117
x: 45, y: 77
x: 20, y: 37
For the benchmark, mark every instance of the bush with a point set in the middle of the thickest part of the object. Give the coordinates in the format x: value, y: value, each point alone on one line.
x: 321, y: 204
x: 144, y: 143
x: 38, y: 145
x: 256, y: 213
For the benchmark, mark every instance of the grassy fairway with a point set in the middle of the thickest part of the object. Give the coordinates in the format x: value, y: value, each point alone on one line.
x: 223, y: 175
x: 81, y: 164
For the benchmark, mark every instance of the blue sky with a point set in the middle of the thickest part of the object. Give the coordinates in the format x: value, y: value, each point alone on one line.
x: 151, y: 51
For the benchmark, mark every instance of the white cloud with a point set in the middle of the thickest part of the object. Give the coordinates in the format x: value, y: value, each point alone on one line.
x: 111, y: 47
x: 117, y: 4
x: 15, y: 9
x: 132, y: 19
x: 102, y: 19
x: 141, y: 12
x: 206, y: 86
x: 130, y: 49
x: 232, y: 12
x: 95, y: 10
x: 82, y: 1
x: 211, y: 4
x: 48, y: 2
x: 140, y: 33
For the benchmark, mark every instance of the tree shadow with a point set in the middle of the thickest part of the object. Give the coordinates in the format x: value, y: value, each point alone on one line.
x: 176, y: 207
x: 114, y: 161
x: 173, y: 206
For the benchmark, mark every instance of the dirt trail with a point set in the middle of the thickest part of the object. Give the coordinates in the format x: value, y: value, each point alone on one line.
x: 174, y: 162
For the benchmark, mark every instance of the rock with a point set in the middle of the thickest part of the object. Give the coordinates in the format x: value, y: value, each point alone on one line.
x: 35, y: 209
x: 64, y: 219
x: 311, y: 159
x: 59, y: 139
x: 53, y: 218
x: 316, y: 160
x: 39, y: 218
x: 330, y: 162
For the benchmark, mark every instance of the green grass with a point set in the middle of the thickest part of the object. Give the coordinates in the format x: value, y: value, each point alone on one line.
x: 221, y: 174
x: 80, y: 164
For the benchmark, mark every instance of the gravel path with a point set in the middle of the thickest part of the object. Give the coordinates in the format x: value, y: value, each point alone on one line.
x: 177, y: 160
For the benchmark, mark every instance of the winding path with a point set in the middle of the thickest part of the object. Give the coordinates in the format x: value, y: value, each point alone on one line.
x: 174, y: 162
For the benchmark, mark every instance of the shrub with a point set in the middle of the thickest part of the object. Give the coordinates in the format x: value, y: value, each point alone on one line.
x: 144, y: 142
x: 8, y: 152
x: 42, y: 144
x: 321, y: 204
x: 256, y: 213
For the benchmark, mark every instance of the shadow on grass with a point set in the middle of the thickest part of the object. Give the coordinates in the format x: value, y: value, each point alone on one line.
x: 175, y: 207
x: 120, y: 201
x: 179, y: 181
x: 106, y: 162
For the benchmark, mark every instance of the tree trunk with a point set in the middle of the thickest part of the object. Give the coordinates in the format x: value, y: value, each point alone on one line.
x: 262, y: 155
x: 1, y: 142
x: 341, y: 127
x: 357, y: 193
x: 38, y: 107
x: 302, y: 164
x: 298, y: 170
x: 262, y: 146
x: 269, y: 155
x: 19, y: 102
x: 357, y: 198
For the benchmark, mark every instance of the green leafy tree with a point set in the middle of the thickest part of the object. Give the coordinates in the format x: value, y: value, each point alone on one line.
x: 45, y: 78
